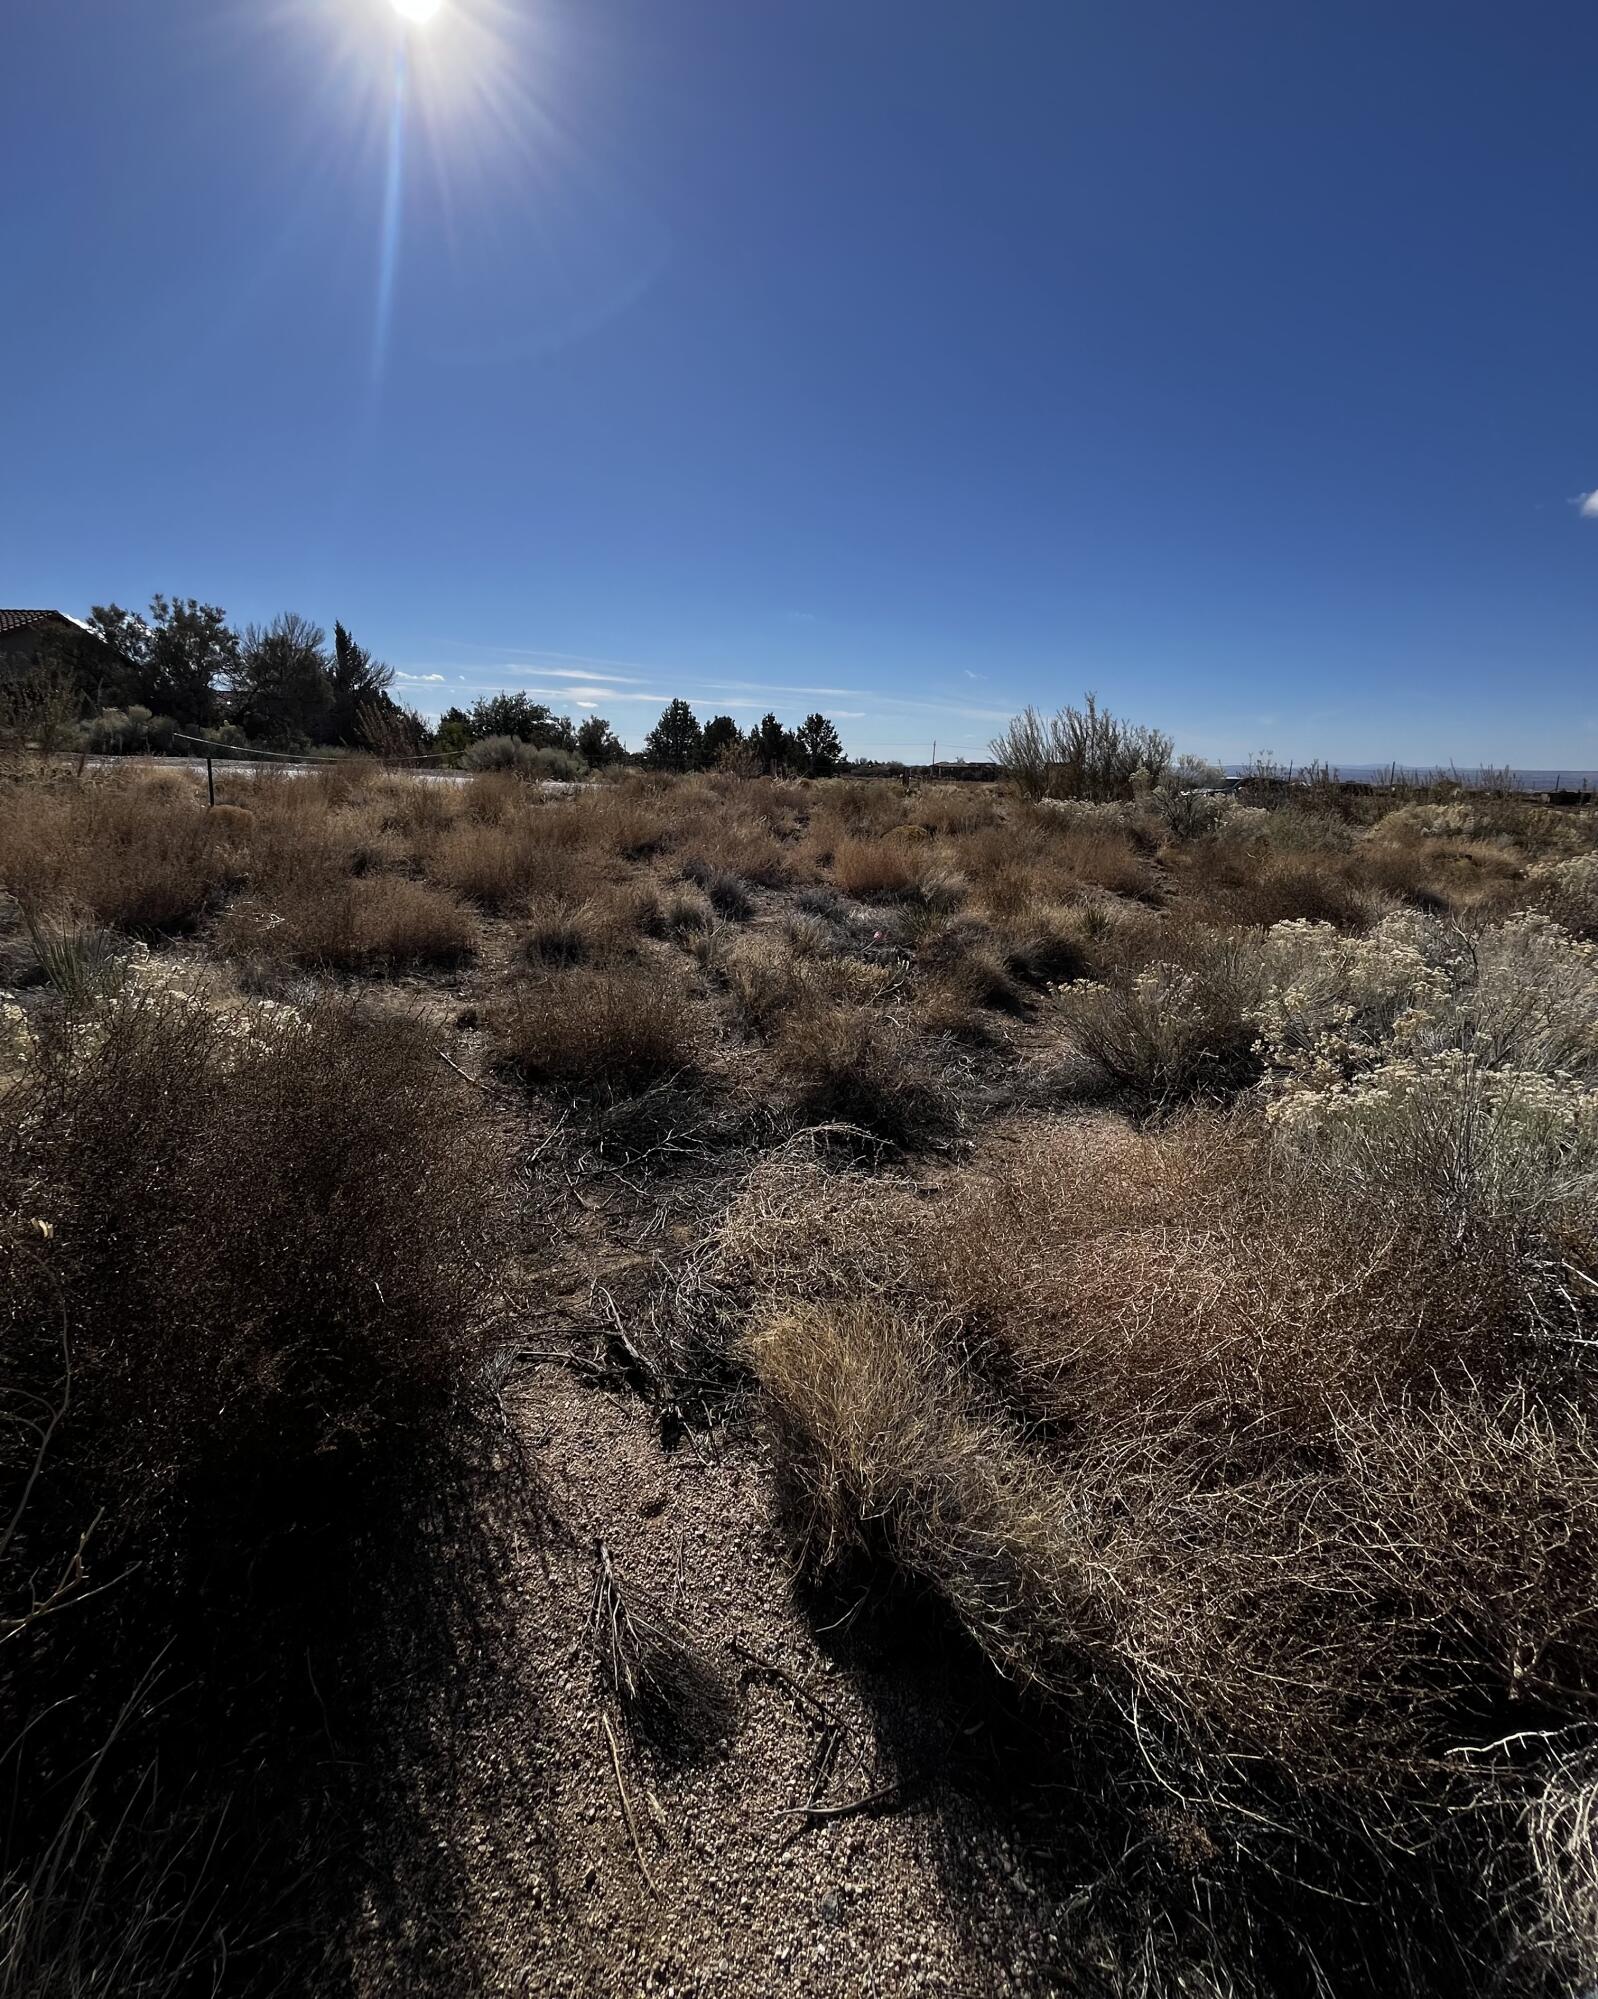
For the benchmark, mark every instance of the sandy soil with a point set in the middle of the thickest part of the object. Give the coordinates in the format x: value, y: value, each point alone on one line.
x: 520, y: 1870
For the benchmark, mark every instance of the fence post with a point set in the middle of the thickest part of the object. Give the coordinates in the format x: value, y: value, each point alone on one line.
x: 210, y: 781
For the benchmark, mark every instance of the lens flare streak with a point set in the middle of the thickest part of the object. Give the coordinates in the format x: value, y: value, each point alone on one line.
x: 393, y: 215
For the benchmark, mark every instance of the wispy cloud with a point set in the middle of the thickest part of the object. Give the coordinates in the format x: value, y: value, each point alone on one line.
x: 1586, y: 504
x: 535, y: 665
x: 420, y: 679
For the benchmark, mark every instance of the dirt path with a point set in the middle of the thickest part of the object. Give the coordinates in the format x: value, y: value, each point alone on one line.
x: 524, y: 1825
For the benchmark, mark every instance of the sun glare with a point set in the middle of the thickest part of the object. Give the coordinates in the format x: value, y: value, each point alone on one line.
x: 417, y: 10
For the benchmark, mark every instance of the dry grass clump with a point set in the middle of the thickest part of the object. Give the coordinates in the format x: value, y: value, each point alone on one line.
x: 845, y: 1063
x: 562, y: 931
x: 725, y: 837
x: 686, y: 913
x: 1441, y: 877
x: 1280, y: 1497
x: 728, y: 894
x: 1045, y: 944
x: 607, y: 1029
x: 1249, y: 884
x: 963, y: 979
x: 906, y: 863
x: 845, y: 806
x: 502, y: 866
x: 125, y: 852
x: 251, y: 1271
x: 559, y: 932
x: 364, y: 924
x: 872, y: 868
x: 763, y: 979
x: 886, y: 1455
x: 1178, y: 1024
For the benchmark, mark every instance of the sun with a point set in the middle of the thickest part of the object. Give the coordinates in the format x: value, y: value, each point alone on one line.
x: 416, y: 10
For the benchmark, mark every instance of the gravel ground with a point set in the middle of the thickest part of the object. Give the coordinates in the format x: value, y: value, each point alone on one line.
x: 519, y: 1870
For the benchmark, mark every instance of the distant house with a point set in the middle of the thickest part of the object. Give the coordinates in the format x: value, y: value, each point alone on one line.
x: 22, y: 632
x: 26, y: 636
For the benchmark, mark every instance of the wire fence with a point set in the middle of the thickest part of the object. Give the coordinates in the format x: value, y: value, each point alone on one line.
x: 210, y: 747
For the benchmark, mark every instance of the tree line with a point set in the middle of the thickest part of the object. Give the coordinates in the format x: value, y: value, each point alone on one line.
x: 181, y: 666
x: 679, y: 742
x: 136, y: 680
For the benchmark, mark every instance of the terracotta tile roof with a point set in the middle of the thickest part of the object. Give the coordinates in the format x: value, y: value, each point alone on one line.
x: 19, y: 621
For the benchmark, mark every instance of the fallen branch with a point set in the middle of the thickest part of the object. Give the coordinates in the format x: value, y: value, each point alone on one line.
x: 627, y: 1807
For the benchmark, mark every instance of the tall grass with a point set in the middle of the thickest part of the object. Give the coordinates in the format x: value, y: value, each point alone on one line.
x: 251, y: 1266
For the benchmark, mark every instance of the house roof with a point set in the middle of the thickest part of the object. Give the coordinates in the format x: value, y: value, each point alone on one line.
x: 19, y: 621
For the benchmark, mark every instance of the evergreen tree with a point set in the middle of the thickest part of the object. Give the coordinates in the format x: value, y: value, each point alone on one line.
x: 721, y: 733
x: 358, y: 683
x: 597, y: 742
x: 676, y: 742
x: 521, y: 718
x: 819, y: 746
x: 454, y: 732
x: 773, y: 746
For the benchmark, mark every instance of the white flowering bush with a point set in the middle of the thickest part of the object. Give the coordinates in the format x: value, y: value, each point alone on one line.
x: 1568, y: 892
x: 1461, y: 1069
x: 1174, y: 1027
x: 1504, y: 1145
x: 1484, y: 817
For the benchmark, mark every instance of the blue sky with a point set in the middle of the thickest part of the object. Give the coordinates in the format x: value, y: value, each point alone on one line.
x: 911, y: 362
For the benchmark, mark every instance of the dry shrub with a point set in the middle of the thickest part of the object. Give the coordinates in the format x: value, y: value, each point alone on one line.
x: 668, y: 1692
x: 363, y: 925
x: 119, y: 850
x: 1249, y: 884
x: 500, y: 866
x: 1568, y: 892
x: 872, y: 868
x: 727, y: 894
x: 1181, y: 1023
x: 846, y: 1064
x: 762, y: 979
x: 252, y: 1267
x: 1282, y: 1503
x: 1561, y: 1916
x: 606, y: 1030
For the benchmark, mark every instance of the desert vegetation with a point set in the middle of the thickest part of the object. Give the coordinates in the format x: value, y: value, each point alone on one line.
x: 1140, y: 1234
